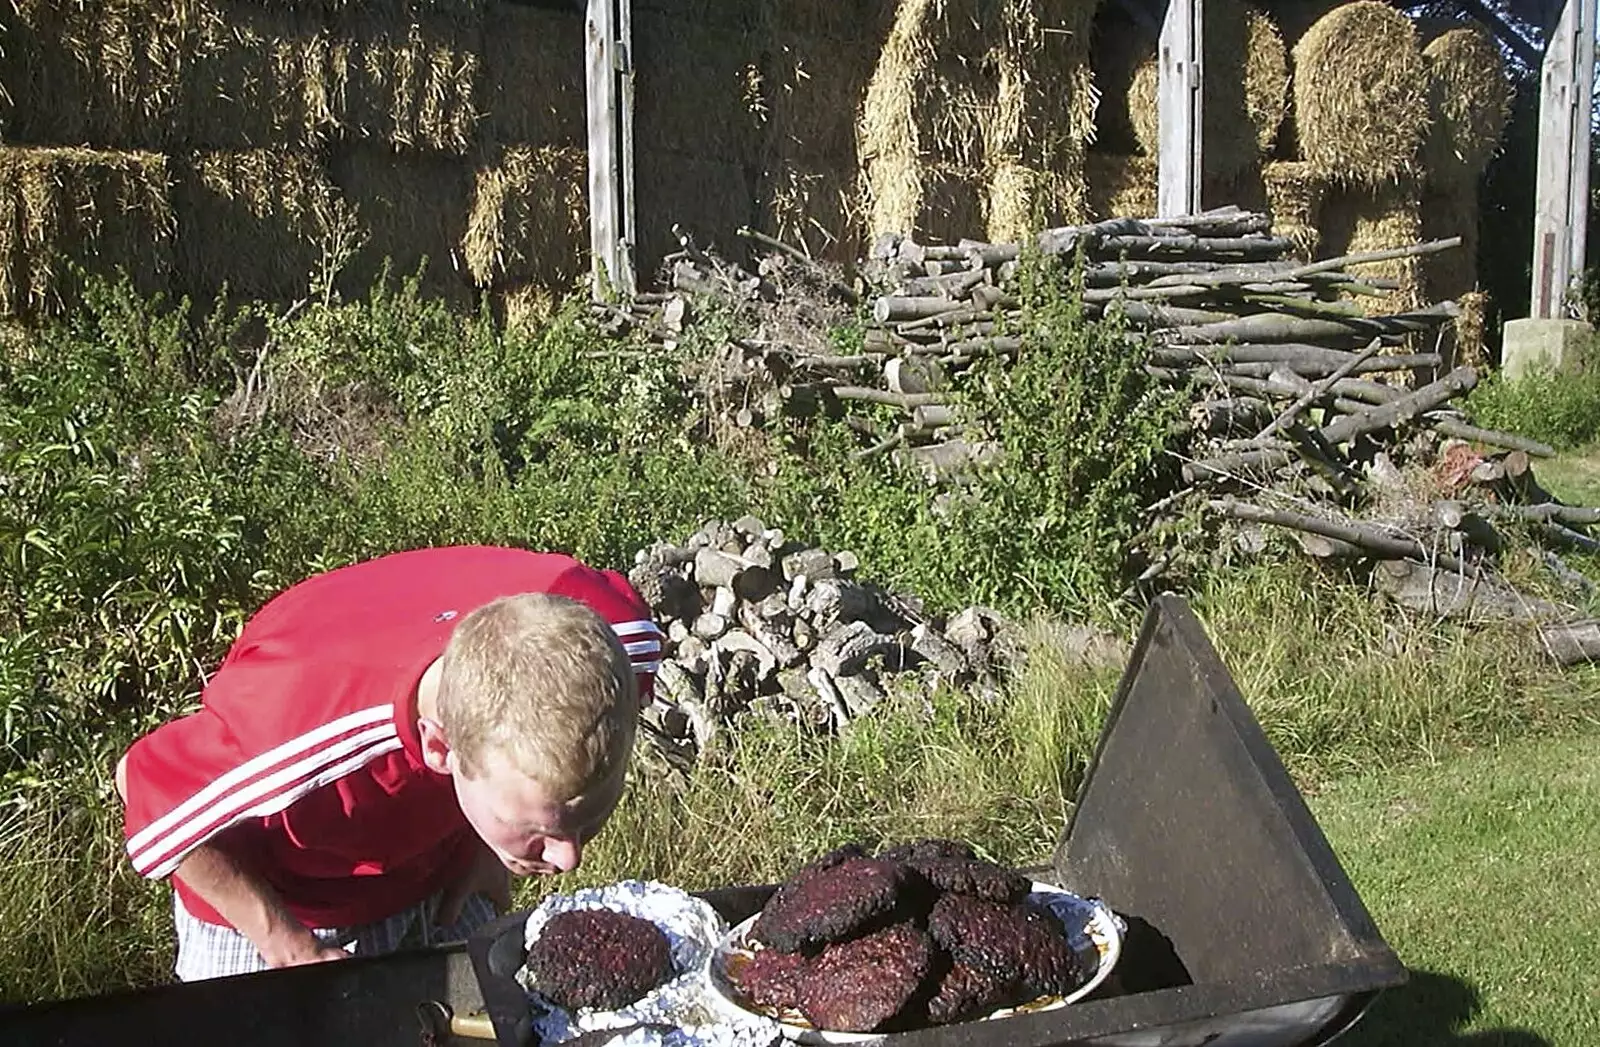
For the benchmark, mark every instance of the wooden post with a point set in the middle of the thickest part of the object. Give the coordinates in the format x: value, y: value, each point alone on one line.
x: 1561, y: 194
x: 610, y: 146
x: 1179, y: 108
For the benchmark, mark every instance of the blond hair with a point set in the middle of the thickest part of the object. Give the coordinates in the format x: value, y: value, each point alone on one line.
x: 544, y: 682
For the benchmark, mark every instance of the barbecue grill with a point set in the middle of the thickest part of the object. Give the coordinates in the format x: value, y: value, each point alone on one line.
x: 1243, y: 929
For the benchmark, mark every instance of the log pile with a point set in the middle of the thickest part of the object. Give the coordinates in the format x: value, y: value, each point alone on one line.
x: 1307, y: 416
x: 759, y: 623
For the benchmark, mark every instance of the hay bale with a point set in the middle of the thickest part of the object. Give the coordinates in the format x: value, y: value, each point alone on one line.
x: 253, y: 76
x: 696, y: 89
x: 412, y: 209
x: 529, y: 222
x: 533, y: 76
x: 1240, y: 116
x: 953, y: 205
x: 1294, y: 192
x: 813, y: 90
x: 852, y: 22
x: 407, y: 79
x: 62, y: 210
x: 255, y: 222
x: 107, y: 73
x: 815, y: 207
x: 524, y: 308
x: 966, y: 86
x: 1451, y: 210
x: 1023, y: 200
x: 1361, y: 94
x: 1121, y: 185
x: 1120, y: 48
x: 1469, y: 101
x: 1358, y: 218
x: 1294, y: 17
x: 710, y: 198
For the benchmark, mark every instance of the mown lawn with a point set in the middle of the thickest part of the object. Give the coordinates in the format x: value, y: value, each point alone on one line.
x: 1483, y: 871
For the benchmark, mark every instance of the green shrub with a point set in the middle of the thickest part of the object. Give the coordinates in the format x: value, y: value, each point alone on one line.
x: 1561, y: 409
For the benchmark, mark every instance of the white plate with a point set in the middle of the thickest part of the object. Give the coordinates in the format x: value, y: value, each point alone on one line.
x: 1094, y: 931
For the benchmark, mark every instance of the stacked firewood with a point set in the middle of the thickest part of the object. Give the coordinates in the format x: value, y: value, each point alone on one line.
x: 1307, y: 416
x: 758, y: 623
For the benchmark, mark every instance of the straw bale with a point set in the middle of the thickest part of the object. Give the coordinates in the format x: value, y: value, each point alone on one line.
x: 816, y: 208
x: 696, y: 88
x: 710, y: 198
x: 848, y: 21
x: 1451, y: 210
x: 952, y: 207
x: 67, y: 209
x: 1240, y: 115
x: 1469, y: 100
x: 253, y: 221
x: 254, y: 76
x: 1121, y: 185
x: 1361, y: 94
x: 407, y: 81
x: 964, y: 86
x: 1294, y: 17
x: 1294, y: 191
x: 1023, y: 200
x: 411, y: 207
x: 106, y: 73
x: 529, y: 221
x: 814, y: 90
x: 524, y: 307
x: 533, y: 76
x: 889, y: 142
x: 1357, y: 218
x: 1120, y: 47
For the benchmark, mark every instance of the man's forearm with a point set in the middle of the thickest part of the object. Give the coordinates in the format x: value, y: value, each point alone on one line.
x: 250, y: 904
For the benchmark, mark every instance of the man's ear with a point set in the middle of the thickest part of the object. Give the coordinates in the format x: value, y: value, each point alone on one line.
x: 435, y: 746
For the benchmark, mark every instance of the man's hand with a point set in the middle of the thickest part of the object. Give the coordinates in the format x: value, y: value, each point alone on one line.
x: 295, y: 946
x: 486, y: 875
x: 253, y: 908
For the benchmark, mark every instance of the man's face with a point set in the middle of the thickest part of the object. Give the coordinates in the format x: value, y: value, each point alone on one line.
x: 530, y: 831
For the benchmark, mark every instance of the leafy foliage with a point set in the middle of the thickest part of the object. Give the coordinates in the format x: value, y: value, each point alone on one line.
x: 1561, y: 409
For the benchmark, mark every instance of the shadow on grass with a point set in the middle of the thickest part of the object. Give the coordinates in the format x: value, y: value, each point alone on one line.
x: 1430, y: 1011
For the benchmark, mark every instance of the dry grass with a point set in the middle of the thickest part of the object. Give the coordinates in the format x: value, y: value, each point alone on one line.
x: 255, y: 221
x: 410, y: 207
x: 65, y: 209
x: 529, y: 221
x: 1294, y: 199
x: 533, y: 77
x: 409, y: 82
x: 1361, y: 94
x: 1121, y: 186
x: 1470, y: 103
x: 1241, y: 116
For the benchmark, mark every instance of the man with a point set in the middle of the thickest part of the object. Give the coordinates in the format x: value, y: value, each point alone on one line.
x: 382, y: 745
